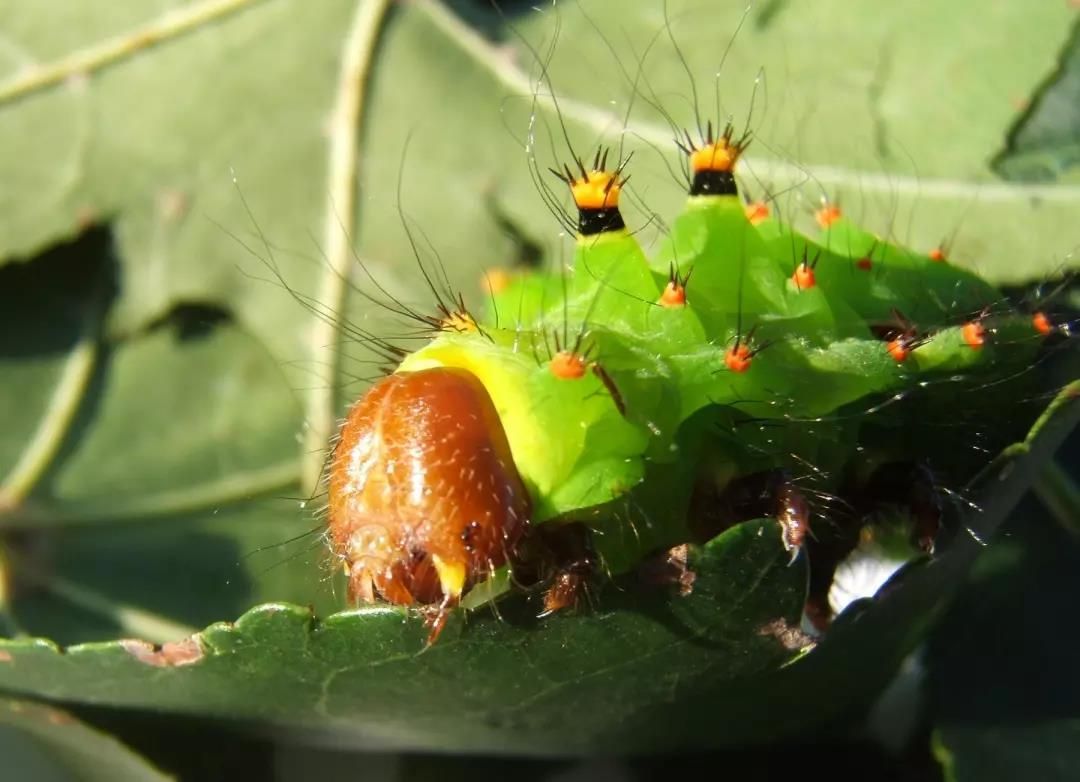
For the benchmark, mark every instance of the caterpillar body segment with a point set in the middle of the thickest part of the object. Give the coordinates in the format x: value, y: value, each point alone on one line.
x: 649, y: 397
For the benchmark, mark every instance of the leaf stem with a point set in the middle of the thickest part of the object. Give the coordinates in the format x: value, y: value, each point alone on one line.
x: 85, y: 61
x: 999, y: 477
x: 131, y: 620
x: 58, y: 416
x: 342, y: 172
x: 166, y: 503
x: 1056, y: 489
x: 9, y: 625
x: 1069, y: 394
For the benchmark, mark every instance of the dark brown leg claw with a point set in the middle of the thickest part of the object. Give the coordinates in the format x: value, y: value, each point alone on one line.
x: 669, y: 568
x: 567, y: 589
x: 794, y: 516
x: 563, y: 560
x: 435, y: 618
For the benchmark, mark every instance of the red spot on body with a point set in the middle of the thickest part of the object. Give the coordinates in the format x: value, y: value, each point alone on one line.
x: 864, y: 264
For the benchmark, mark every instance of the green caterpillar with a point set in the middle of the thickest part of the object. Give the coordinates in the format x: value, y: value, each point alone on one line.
x: 637, y: 395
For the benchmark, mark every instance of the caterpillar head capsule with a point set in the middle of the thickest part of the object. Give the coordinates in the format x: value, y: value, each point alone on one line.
x: 424, y: 496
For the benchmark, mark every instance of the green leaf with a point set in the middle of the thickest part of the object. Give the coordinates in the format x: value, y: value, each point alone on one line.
x: 1005, y: 692
x: 505, y: 682
x: 44, y: 744
x: 1045, y: 143
x: 172, y: 417
x: 1006, y: 752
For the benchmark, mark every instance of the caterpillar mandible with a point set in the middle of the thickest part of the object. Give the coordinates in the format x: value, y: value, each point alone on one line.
x: 670, y: 387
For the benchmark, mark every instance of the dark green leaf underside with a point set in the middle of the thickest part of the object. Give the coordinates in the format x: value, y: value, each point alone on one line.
x: 1044, y: 146
x: 44, y: 744
x: 1005, y: 689
x: 510, y: 683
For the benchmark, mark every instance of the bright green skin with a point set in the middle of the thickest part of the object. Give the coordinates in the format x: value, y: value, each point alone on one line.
x: 630, y: 476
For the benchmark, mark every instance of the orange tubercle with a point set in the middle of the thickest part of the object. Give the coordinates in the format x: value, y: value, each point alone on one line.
x: 674, y: 295
x: 827, y: 215
x: 598, y: 190
x: 459, y: 322
x: 739, y: 357
x: 757, y: 212
x: 899, y: 349
x: 974, y: 334
x: 1042, y: 323
x: 938, y: 255
x: 804, y: 277
x: 567, y: 365
x: 497, y: 280
x: 719, y: 155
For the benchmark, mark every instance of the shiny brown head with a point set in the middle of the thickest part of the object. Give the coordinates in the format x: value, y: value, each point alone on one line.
x: 424, y: 496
